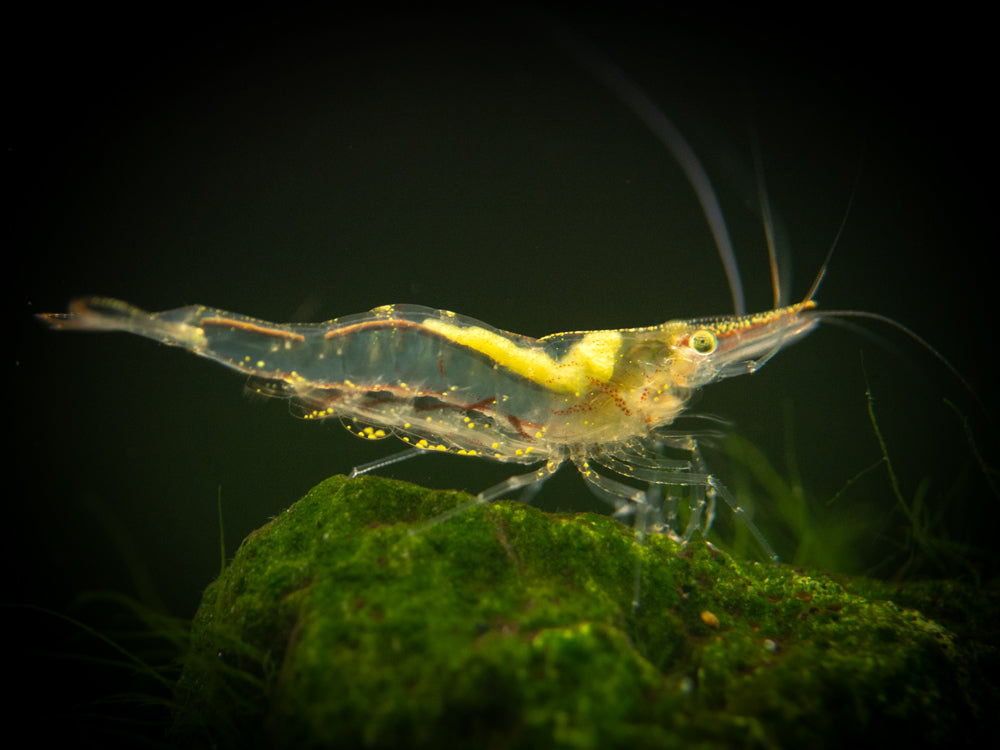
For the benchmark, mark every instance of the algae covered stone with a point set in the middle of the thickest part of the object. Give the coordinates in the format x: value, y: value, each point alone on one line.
x: 350, y: 621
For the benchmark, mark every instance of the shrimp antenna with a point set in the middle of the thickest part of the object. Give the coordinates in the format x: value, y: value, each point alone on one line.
x: 768, y: 218
x: 909, y: 332
x: 615, y: 79
x: 876, y: 316
x: 833, y: 246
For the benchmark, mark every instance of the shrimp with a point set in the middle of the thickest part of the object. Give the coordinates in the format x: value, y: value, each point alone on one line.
x: 603, y: 400
x: 440, y: 381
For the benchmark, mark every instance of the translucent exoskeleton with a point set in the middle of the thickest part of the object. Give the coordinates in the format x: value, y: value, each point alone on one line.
x: 440, y: 381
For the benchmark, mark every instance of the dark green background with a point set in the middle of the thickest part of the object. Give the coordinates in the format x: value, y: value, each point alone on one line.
x: 303, y: 168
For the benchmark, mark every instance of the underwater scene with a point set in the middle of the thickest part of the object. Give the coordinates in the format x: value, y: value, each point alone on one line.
x: 315, y: 168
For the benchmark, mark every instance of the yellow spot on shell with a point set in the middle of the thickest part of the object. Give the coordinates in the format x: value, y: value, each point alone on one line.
x: 593, y: 357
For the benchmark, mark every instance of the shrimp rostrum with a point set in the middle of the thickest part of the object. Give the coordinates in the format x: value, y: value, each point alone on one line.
x: 439, y: 381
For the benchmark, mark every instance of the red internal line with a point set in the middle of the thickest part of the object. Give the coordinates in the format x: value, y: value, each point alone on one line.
x: 245, y: 325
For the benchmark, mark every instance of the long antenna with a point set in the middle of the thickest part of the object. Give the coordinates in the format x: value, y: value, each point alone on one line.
x: 909, y: 332
x: 768, y: 218
x: 836, y: 239
x: 615, y: 79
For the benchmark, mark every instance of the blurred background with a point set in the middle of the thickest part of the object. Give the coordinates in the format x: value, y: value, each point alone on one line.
x: 299, y: 168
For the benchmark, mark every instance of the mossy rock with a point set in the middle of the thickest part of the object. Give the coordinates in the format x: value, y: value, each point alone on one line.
x: 349, y: 622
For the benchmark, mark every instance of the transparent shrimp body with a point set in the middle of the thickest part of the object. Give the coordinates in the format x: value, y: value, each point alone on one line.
x: 440, y: 381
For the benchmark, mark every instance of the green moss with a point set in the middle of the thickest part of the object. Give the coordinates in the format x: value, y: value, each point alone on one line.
x: 507, y: 627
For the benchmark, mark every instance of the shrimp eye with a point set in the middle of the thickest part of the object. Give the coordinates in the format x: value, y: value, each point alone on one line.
x: 704, y: 341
